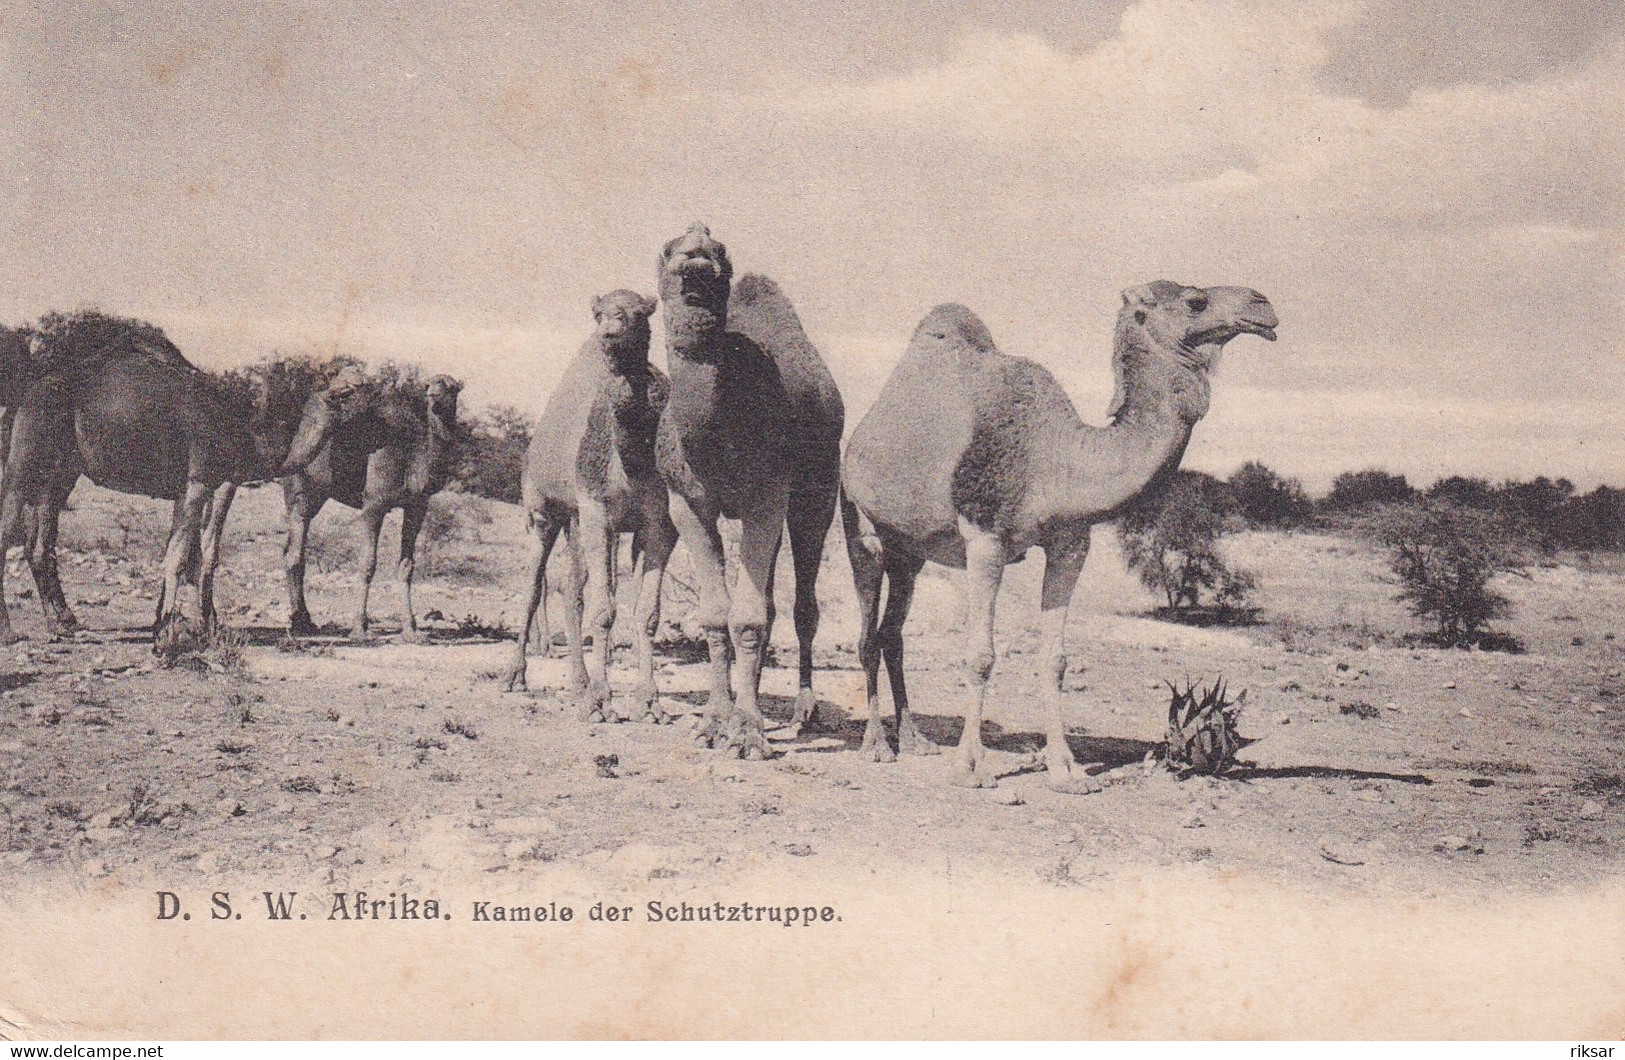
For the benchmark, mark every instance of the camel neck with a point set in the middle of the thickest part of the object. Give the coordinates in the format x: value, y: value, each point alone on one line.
x: 693, y: 333
x: 1160, y: 399
x: 1156, y: 385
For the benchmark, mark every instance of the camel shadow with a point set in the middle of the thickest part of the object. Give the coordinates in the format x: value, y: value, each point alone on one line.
x: 1253, y: 772
x: 21, y: 679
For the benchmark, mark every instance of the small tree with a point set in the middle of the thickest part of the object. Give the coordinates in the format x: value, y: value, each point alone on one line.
x: 1359, y: 489
x: 1267, y: 499
x: 1444, y: 556
x: 1170, y: 539
x: 493, y: 454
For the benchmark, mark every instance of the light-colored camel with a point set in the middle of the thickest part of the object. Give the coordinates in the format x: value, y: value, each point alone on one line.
x: 970, y: 457
x: 395, y: 451
x: 725, y: 449
x: 164, y: 429
x: 590, y: 474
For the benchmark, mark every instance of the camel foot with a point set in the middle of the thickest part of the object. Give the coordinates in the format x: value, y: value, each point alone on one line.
x: 973, y: 773
x: 747, y: 739
x: 875, y: 748
x: 1068, y: 778
x: 806, y: 717
x: 594, y: 703
x: 64, y: 625
x: 646, y: 709
x: 911, y: 741
x: 712, y: 728
x: 414, y: 636
x: 301, y: 626
x: 363, y: 635
x: 513, y: 678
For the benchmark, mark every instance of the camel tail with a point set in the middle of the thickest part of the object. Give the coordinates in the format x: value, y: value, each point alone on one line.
x: 859, y: 530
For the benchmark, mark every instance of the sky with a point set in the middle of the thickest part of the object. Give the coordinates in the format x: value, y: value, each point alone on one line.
x: 1430, y: 195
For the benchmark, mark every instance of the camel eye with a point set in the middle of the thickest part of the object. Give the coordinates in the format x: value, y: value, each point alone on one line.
x: 1197, y: 304
x: 939, y: 334
x: 1139, y: 316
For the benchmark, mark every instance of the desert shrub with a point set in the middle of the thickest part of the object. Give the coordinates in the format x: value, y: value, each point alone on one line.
x: 1593, y: 521
x: 1463, y: 492
x: 1170, y: 540
x: 452, y: 543
x: 492, y: 454
x: 1354, y: 490
x: 1445, y: 556
x: 1268, y: 499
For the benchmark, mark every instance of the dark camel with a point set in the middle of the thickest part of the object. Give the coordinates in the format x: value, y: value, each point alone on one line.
x: 752, y: 424
x: 969, y: 457
x: 160, y: 427
x: 26, y: 356
x: 396, y: 450
x: 590, y: 474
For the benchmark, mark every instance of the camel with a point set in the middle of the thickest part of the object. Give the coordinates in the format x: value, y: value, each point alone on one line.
x: 26, y: 355
x: 970, y: 457
x: 395, y: 451
x: 761, y: 312
x: 158, y: 426
x: 725, y: 449
x: 590, y: 473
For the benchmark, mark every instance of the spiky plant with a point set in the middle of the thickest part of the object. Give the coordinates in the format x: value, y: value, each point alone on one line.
x: 1202, y: 736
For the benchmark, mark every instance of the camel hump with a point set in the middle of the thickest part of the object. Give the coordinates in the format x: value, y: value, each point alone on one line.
x: 955, y: 324
x: 760, y: 309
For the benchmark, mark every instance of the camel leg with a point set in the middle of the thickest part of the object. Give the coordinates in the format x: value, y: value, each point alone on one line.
x: 654, y: 544
x: 177, y: 515
x: 984, y: 570
x: 810, y: 516
x: 698, y: 530
x: 413, y: 513
x: 574, y: 585
x: 596, y: 541
x: 541, y: 632
x: 178, y: 556
x: 868, y: 577
x: 60, y: 620
x: 902, y: 572
x: 11, y: 527
x: 372, y: 524
x: 1063, y: 562
x: 545, y: 531
x: 747, y: 623
x: 299, y: 514
x: 209, y: 559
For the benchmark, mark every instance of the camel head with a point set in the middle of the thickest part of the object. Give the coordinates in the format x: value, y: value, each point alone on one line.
x: 694, y: 271
x: 348, y: 395
x: 622, y: 326
x: 441, y: 392
x: 1190, y: 324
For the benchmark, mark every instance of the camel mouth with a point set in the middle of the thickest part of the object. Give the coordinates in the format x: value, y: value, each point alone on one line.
x: 1218, y: 336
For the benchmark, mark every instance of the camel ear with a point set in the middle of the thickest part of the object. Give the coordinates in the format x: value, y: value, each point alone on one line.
x: 598, y: 307
x: 647, y: 306
x: 1138, y: 296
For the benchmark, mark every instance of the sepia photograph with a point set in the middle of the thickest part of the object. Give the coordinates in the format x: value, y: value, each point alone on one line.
x: 716, y: 519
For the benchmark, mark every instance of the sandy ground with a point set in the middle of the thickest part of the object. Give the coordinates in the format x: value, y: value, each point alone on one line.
x: 1421, y: 797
